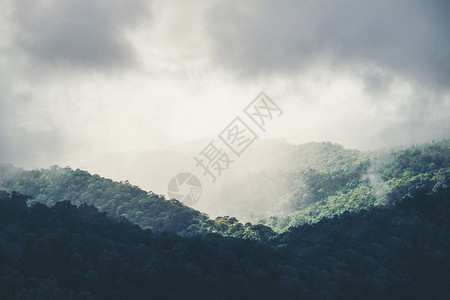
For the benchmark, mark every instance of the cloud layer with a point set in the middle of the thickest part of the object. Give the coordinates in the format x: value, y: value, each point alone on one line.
x: 77, y: 33
x: 79, y: 77
x: 402, y: 37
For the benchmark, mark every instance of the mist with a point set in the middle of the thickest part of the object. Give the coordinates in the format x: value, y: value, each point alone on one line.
x: 132, y: 90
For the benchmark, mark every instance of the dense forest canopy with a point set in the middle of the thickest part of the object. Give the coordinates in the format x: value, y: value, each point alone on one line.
x: 366, y: 225
x: 317, y: 180
x: 79, y: 253
x: 123, y: 200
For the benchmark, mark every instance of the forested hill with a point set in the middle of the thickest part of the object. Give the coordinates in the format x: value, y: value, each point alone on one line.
x: 378, y: 227
x: 320, y: 180
x: 375, y: 178
x: 122, y: 200
x: 313, y: 181
x: 65, y: 252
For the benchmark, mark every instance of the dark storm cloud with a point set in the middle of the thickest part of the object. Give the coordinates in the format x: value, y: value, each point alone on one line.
x: 408, y: 38
x: 77, y: 33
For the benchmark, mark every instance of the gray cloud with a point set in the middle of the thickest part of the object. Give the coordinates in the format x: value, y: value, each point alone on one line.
x: 398, y: 50
x: 403, y: 37
x: 77, y: 33
x: 365, y: 74
x: 42, y: 40
x: 377, y: 83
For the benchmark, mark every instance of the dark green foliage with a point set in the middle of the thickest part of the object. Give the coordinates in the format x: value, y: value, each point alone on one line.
x: 78, y: 253
x: 377, y: 227
x: 398, y: 252
x: 65, y: 252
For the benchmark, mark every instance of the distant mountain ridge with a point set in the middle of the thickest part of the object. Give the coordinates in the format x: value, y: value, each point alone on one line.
x: 122, y: 200
x: 320, y: 180
x: 65, y: 252
x: 304, y: 184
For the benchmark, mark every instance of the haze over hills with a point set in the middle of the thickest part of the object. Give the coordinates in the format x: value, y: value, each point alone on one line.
x: 153, y: 169
x: 359, y: 243
x: 308, y: 142
x: 272, y: 178
x: 300, y: 184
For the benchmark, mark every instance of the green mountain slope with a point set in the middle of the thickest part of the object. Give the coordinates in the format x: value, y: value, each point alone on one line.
x: 122, y: 200
x: 292, y: 183
x: 313, y: 181
x: 65, y: 252
x: 320, y: 180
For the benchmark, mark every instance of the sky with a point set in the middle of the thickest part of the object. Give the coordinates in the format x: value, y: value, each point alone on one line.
x: 83, y: 78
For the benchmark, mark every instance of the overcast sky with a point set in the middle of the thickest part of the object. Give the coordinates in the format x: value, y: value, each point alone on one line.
x: 81, y: 78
